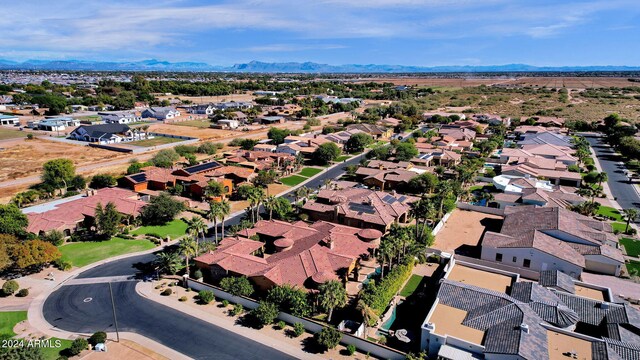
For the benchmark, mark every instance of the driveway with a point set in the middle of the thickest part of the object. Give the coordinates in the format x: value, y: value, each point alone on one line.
x: 87, y: 308
x: 622, y: 189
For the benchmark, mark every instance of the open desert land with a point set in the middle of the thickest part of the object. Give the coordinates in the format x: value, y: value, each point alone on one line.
x: 248, y: 96
x: 576, y: 82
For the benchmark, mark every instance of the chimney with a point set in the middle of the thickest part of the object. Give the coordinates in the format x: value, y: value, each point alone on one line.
x: 604, y: 305
x: 524, y: 328
x: 330, y: 243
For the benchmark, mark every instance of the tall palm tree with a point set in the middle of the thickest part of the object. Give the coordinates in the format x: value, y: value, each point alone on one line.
x: 382, y: 256
x: 301, y: 193
x: 169, y: 262
x: 332, y: 295
x: 588, y: 192
x: 269, y: 204
x: 197, y: 227
x: 188, y: 248
x: 225, y: 210
x: 213, y: 215
x: 631, y: 215
x: 601, y: 177
x: 367, y: 313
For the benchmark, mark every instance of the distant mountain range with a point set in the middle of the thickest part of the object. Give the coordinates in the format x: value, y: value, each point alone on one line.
x: 289, y: 67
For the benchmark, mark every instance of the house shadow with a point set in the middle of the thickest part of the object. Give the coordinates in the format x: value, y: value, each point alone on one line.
x: 474, y: 251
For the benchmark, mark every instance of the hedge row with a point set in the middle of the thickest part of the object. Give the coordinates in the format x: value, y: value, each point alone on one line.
x: 378, y: 296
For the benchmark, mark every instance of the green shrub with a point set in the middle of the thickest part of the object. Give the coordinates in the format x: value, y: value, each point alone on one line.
x: 97, y: 338
x: 382, y: 340
x: 197, y: 274
x: 378, y: 296
x: 9, y: 287
x: 206, y: 296
x: 298, y: 329
x: 265, y: 313
x: 328, y: 338
x: 281, y: 325
x: 77, y: 346
x: 23, y: 293
x: 351, y: 349
x: 289, y: 299
x: 166, y: 292
x: 225, y: 303
x: 182, y: 299
x: 237, y: 286
x: 63, y: 265
x: 237, y: 309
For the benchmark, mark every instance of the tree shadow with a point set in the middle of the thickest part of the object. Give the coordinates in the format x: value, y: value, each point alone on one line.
x: 310, y: 345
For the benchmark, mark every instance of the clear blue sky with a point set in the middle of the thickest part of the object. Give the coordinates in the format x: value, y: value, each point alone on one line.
x: 406, y: 32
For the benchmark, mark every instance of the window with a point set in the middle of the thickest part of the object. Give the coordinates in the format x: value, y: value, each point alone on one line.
x: 526, y: 263
x: 515, y: 259
x: 498, y: 257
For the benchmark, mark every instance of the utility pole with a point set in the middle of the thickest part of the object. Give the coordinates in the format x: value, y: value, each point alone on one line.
x: 113, y: 307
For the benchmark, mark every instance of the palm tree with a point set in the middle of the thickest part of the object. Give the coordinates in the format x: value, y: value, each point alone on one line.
x: 188, y: 248
x: 197, y: 227
x: 270, y: 202
x: 225, y: 210
x: 332, y: 295
x: 422, y: 210
x: 382, y: 256
x: 255, y: 198
x: 301, y: 193
x: 601, y: 177
x: 327, y: 183
x: 589, y: 192
x: 631, y: 215
x: 487, y: 196
x: 213, y: 215
x: 367, y: 313
x: 169, y: 262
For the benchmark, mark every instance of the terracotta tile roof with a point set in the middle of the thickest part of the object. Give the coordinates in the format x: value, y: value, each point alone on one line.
x: 67, y: 215
x: 320, y: 248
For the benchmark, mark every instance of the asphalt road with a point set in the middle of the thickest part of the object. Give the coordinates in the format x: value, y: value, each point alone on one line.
x: 621, y: 188
x: 88, y: 308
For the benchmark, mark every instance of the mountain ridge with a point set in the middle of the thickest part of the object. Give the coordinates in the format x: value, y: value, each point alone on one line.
x: 289, y: 67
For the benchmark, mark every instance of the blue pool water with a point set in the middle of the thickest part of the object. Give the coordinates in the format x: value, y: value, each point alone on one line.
x: 387, y: 324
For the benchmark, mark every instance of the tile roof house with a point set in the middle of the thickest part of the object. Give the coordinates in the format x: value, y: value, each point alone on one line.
x: 361, y: 208
x: 462, y: 134
x: 161, y: 113
x: 553, y: 238
x: 541, y: 168
x: 544, y: 320
x: 384, y: 179
x: 68, y: 216
x: 261, y: 160
x: 377, y: 132
x: 299, y: 254
x: 546, y: 137
x: 528, y: 191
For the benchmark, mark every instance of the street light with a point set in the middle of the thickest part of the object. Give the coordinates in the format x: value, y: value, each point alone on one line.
x: 113, y: 307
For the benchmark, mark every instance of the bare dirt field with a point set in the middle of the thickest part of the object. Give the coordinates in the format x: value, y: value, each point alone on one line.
x: 556, y: 82
x: 209, y: 99
x: 463, y: 231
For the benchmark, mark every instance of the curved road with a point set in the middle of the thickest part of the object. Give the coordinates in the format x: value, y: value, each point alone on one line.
x: 87, y: 308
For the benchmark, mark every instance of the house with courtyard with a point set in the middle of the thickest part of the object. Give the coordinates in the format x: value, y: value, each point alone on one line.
x: 553, y: 238
x: 458, y: 134
x: 530, y: 191
x: 297, y: 254
x: 107, y: 133
x: 377, y: 132
x: 485, y: 313
x: 161, y: 113
x: 261, y: 160
x: 360, y: 208
x: 74, y: 213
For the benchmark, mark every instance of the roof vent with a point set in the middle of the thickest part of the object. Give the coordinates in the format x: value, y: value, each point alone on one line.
x: 524, y: 328
x: 604, y: 305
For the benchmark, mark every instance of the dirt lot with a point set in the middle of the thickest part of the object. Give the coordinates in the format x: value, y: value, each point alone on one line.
x: 209, y: 99
x: 201, y: 133
x: 569, y: 82
x: 463, y: 231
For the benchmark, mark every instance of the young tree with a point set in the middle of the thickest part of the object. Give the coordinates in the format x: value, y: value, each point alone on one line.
x: 214, y: 189
x: 237, y: 286
x: 332, y: 295
x: 328, y: 338
x: 358, y: 142
x: 160, y: 210
x: 265, y: 313
x: 277, y: 135
x: 325, y: 153
x: 165, y: 158
x: 265, y: 177
x: 368, y: 314
x: 406, y: 151
x: 58, y: 173
x: 12, y: 220
x: 102, y: 181
x: 107, y: 220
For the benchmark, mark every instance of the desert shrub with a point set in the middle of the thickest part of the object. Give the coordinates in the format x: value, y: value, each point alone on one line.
x: 206, y: 296
x: 281, y: 325
x: 382, y: 340
x: 237, y: 309
x: 197, y: 274
x: 265, y: 313
x: 98, y: 337
x: 237, y: 286
x: 298, y: 329
x: 23, y: 293
x: 225, y: 303
x: 328, y: 338
x: 77, y: 346
x: 351, y: 349
x: 182, y: 299
x: 166, y: 292
x: 9, y: 287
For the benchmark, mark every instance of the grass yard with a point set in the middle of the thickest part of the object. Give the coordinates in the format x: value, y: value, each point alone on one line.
x: 293, y: 180
x: 9, y: 319
x: 631, y: 245
x: 91, y: 118
x: 343, y: 158
x: 309, y: 172
x: 202, y: 124
x: 53, y: 353
x: 633, y: 267
x: 610, y: 213
x: 411, y: 286
x: 84, y: 253
x: 11, y: 134
x: 621, y: 227
x: 173, y: 229
x: 158, y: 140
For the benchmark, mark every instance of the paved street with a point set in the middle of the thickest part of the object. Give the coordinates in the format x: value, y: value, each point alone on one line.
x: 86, y: 308
x: 624, y: 191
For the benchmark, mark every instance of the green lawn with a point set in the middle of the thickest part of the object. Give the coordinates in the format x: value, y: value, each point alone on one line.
x: 158, y: 140
x: 53, y: 353
x: 84, y: 253
x: 633, y: 267
x: 203, y: 124
x: 610, y: 212
x: 11, y: 134
x: 343, y: 158
x: 173, y: 229
x: 631, y: 245
x: 621, y: 227
x: 9, y: 319
x: 411, y: 285
x: 309, y: 172
x: 293, y: 180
